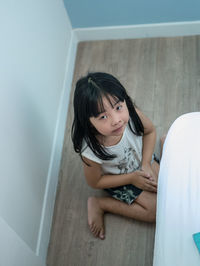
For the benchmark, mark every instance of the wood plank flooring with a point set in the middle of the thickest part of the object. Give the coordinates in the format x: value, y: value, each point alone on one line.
x: 162, y: 75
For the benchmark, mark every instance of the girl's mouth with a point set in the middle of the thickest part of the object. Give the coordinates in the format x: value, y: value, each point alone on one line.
x: 119, y: 129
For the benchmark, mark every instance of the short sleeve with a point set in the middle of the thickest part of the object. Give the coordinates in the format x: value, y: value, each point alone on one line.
x: 89, y: 154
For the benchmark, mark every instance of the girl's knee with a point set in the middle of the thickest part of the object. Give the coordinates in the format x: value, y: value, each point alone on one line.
x: 151, y: 211
x: 151, y: 216
x: 147, y: 200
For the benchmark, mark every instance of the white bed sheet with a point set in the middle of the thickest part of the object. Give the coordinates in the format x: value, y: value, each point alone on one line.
x: 178, y: 204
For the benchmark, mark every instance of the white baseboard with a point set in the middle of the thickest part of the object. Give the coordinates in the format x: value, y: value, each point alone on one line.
x: 171, y: 29
x: 53, y: 174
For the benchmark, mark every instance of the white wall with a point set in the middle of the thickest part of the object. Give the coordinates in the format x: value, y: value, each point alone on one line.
x: 35, y: 47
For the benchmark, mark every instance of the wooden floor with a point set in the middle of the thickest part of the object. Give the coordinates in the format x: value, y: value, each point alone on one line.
x: 162, y: 75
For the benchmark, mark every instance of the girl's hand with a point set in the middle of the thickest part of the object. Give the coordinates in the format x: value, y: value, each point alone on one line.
x: 144, y: 181
x: 147, y: 169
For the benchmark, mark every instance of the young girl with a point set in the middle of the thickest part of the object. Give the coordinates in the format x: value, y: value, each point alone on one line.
x: 116, y: 142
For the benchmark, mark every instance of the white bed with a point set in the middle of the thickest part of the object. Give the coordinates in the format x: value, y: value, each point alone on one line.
x: 178, y: 204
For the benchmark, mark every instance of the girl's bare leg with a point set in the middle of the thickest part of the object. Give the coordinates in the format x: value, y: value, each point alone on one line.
x: 143, y: 209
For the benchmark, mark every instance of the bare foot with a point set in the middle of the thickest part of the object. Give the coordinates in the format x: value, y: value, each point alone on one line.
x: 95, y: 218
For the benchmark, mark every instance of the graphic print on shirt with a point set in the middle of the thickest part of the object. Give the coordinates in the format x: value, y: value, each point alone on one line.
x: 130, y: 162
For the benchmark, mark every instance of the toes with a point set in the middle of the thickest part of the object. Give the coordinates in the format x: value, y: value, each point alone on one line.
x: 102, y: 234
x: 97, y: 231
x: 94, y: 230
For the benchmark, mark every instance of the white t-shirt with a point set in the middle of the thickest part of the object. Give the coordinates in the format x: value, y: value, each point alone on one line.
x: 128, y: 153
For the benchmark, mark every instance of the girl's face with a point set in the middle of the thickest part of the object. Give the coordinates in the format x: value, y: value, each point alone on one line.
x: 113, y: 120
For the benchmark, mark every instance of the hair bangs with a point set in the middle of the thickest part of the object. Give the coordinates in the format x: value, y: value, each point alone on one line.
x: 96, y: 106
x: 110, y: 89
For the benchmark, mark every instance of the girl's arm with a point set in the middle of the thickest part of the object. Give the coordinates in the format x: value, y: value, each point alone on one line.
x: 97, y: 180
x: 149, y: 140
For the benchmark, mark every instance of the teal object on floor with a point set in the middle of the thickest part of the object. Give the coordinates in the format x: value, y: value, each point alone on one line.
x: 196, y: 238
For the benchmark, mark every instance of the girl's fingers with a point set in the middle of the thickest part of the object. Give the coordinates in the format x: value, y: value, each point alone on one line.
x: 152, y: 183
x: 146, y: 175
x: 151, y: 186
x: 151, y: 189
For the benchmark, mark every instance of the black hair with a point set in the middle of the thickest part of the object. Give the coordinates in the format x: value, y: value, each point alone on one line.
x: 88, y: 98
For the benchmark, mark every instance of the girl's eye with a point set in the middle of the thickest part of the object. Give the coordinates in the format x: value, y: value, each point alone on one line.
x: 103, y: 117
x: 119, y: 107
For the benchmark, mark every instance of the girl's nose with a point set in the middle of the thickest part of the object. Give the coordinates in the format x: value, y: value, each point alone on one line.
x: 115, y: 120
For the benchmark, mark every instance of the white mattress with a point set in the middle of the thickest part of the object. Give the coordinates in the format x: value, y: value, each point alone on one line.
x: 178, y: 204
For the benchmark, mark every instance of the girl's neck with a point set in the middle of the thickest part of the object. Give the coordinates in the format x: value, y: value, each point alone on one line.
x: 109, y: 141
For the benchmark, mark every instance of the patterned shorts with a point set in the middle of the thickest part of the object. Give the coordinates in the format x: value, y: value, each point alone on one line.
x: 127, y: 193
